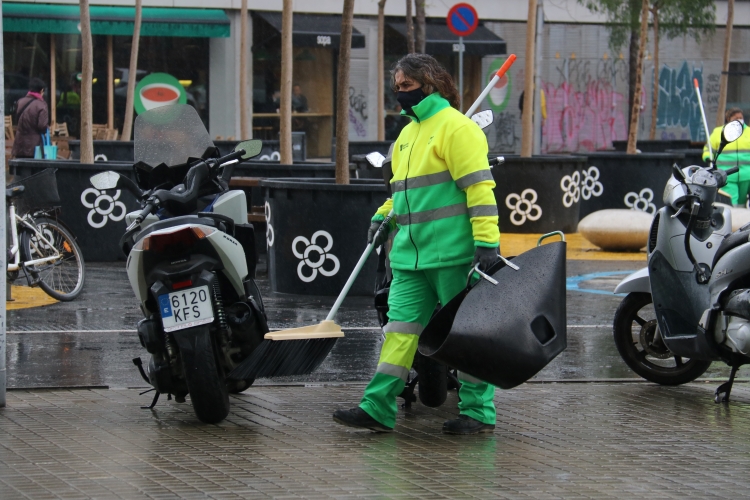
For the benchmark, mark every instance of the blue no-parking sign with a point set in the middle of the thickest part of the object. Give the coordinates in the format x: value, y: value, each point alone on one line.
x: 462, y: 19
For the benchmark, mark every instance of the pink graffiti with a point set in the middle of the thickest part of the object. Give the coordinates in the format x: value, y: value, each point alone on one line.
x: 585, y: 120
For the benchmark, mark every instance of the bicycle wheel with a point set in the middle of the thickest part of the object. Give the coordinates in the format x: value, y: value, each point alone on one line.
x: 63, y: 278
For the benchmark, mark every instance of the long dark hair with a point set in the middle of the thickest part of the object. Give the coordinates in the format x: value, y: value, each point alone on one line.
x: 431, y: 74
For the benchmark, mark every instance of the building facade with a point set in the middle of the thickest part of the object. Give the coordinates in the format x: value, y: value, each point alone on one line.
x: 584, y: 84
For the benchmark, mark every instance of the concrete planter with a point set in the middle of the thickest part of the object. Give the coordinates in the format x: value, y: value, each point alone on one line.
x: 538, y: 194
x: 97, y: 218
x: 316, y: 233
x: 617, y: 180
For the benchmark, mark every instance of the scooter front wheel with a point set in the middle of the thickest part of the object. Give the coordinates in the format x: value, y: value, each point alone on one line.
x: 640, y: 345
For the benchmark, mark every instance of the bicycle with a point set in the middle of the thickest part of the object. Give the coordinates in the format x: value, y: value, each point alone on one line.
x: 41, y: 246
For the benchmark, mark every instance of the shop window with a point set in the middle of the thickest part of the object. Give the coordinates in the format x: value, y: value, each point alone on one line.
x: 27, y: 55
x: 312, y: 93
x: 738, y: 86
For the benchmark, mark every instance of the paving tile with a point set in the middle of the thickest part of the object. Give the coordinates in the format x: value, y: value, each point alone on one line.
x: 567, y: 441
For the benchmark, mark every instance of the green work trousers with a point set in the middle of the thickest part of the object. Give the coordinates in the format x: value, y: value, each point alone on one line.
x: 738, y: 191
x: 411, y: 302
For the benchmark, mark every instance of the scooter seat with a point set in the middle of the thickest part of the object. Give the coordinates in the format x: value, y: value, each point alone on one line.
x: 178, y: 221
x: 730, y: 242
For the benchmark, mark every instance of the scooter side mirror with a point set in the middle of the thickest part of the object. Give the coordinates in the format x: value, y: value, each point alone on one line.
x: 484, y: 118
x: 677, y: 173
x: 375, y: 159
x: 730, y: 133
x: 252, y: 148
x: 105, y: 180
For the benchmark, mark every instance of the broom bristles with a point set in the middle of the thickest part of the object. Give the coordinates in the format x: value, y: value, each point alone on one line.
x: 279, y: 358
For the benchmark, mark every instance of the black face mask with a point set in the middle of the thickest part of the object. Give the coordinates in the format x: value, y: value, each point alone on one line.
x: 411, y: 98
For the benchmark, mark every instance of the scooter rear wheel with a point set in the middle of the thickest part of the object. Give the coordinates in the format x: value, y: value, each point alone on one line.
x: 634, y: 333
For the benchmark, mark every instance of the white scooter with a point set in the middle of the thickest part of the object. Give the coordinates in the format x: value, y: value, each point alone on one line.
x: 189, y: 251
x: 691, y: 305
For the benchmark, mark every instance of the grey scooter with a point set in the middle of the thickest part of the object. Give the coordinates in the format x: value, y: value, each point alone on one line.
x: 698, y: 280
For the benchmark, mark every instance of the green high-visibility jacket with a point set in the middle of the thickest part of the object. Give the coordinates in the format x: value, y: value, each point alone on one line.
x: 442, y: 189
x: 734, y: 154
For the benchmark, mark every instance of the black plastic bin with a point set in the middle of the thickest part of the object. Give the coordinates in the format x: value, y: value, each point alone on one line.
x: 617, y: 180
x: 693, y: 156
x: 655, y: 146
x: 362, y: 148
x: 317, y: 231
x: 96, y: 218
x: 539, y: 194
x: 109, y: 151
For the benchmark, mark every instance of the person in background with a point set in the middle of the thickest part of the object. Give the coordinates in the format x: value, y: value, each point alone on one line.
x: 32, y: 117
x: 299, y: 101
x: 735, y: 154
x: 446, y: 215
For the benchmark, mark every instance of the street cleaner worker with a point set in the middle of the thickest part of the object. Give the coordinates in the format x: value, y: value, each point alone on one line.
x: 735, y: 154
x: 446, y: 217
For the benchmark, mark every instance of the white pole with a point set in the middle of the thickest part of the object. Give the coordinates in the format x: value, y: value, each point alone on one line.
x: 506, y: 65
x: 460, y: 73
x: 703, y: 115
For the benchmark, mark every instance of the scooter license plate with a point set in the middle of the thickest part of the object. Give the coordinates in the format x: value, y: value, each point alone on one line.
x: 186, y: 308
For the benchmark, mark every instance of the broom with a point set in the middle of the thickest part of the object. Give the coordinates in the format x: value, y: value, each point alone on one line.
x: 299, y: 351
x: 310, y: 344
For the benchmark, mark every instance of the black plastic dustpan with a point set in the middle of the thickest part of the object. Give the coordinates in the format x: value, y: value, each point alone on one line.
x: 506, y: 333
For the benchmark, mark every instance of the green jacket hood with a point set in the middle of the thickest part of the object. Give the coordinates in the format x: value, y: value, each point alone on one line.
x: 429, y: 106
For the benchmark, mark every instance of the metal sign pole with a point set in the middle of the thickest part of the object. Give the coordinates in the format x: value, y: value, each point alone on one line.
x: 461, y: 73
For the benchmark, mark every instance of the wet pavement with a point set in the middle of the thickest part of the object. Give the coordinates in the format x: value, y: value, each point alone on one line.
x: 91, y: 341
x: 598, y: 440
x: 584, y: 427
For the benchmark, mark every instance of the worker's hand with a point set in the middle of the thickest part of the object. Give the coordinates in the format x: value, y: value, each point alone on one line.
x: 485, y: 257
x: 382, y: 237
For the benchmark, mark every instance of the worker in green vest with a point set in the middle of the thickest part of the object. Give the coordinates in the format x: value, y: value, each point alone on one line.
x: 735, y: 154
x: 446, y: 216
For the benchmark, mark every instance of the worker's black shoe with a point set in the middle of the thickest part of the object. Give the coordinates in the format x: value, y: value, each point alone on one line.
x: 357, y: 417
x: 466, y: 425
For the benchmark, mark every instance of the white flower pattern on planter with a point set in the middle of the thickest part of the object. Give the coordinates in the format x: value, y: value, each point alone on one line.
x: 590, y: 183
x: 269, y: 227
x: 571, y: 190
x: 105, y: 210
x: 523, y: 207
x: 315, y: 266
x: 641, y: 201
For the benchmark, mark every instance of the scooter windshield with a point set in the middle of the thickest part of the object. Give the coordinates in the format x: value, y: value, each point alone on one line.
x: 170, y: 134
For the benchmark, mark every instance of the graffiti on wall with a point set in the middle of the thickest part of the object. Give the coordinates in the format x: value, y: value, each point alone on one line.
x: 502, y: 136
x: 678, y: 104
x: 357, y: 112
x: 585, y: 112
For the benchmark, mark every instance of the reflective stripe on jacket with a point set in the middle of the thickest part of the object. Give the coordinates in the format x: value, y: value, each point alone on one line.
x: 442, y: 189
x: 734, y: 154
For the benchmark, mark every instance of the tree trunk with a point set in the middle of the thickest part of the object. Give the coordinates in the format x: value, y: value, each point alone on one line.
x: 381, y: 63
x: 342, y: 95
x: 244, y: 129
x: 632, y: 67
x: 127, y: 126
x: 655, y: 97
x: 725, y: 66
x: 87, y: 75
x: 420, y: 33
x: 285, y: 108
x: 527, y: 117
x: 110, y: 85
x: 636, y: 109
x: 409, y: 28
x: 52, y: 83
